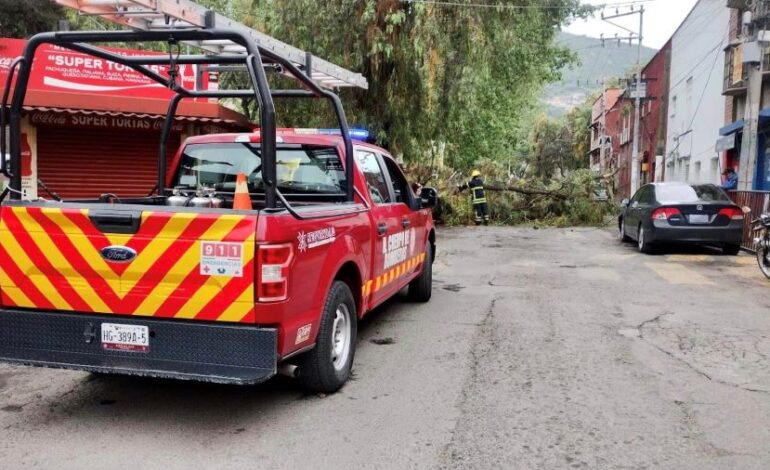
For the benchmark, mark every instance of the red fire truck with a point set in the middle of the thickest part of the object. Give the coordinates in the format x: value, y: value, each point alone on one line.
x: 180, y: 284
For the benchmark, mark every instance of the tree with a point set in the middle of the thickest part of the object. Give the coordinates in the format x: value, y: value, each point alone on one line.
x: 455, y: 74
x: 24, y: 19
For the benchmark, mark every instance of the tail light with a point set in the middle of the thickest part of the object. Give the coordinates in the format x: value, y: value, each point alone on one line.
x: 664, y: 213
x: 273, y: 272
x: 732, y: 213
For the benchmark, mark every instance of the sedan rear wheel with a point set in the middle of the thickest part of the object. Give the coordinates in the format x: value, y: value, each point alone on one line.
x: 642, y: 243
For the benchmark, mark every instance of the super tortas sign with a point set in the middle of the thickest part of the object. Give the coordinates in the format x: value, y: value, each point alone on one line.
x: 61, y: 70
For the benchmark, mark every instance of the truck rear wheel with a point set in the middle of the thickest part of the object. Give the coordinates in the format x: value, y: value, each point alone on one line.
x: 327, y: 367
x: 421, y: 288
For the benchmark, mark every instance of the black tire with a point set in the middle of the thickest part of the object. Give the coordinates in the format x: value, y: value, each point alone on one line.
x: 762, y: 260
x: 731, y: 249
x: 421, y: 288
x: 319, y: 370
x: 641, y: 242
x: 622, y: 231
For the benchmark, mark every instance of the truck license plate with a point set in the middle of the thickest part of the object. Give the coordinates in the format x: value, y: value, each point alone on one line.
x: 130, y: 338
x: 699, y: 218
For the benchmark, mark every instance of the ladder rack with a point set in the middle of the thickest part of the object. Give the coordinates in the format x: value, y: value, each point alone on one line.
x: 159, y: 15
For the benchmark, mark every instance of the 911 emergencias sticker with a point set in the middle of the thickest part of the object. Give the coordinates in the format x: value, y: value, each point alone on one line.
x: 221, y: 259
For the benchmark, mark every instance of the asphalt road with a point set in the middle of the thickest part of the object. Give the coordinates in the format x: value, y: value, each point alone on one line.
x: 540, y: 349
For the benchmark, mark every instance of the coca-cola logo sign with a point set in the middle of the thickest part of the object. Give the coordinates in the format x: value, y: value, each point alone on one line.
x: 50, y: 119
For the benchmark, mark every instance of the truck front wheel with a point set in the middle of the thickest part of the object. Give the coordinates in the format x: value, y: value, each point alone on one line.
x: 421, y: 288
x: 327, y: 367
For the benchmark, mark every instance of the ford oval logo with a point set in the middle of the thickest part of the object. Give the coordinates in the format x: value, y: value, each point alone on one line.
x: 118, y: 254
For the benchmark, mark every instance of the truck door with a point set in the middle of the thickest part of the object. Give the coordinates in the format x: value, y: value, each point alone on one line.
x: 387, y: 223
x: 406, y: 207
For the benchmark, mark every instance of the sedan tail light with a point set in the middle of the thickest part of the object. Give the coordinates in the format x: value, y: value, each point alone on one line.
x: 733, y: 213
x: 664, y: 213
x: 273, y: 272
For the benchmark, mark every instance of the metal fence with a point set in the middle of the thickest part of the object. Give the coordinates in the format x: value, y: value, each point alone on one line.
x: 757, y: 201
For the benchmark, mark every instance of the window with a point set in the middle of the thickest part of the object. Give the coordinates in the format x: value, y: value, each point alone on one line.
x: 714, y: 173
x: 401, y: 188
x: 673, y: 106
x: 375, y: 180
x: 684, y: 193
x: 648, y: 196
x: 696, y: 176
x: 300, y: 169
x: 688, y: 96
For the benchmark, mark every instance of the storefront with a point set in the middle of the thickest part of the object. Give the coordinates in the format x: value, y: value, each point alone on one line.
x: 91, y: 127
x: 728, y: 146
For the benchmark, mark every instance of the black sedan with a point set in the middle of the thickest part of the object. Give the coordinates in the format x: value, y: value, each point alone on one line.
x: 681, y: 213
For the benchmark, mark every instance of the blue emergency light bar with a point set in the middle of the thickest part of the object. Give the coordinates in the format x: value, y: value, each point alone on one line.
x: 355, y: 134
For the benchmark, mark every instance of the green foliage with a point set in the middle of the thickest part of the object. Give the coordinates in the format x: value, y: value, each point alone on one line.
x: 465, y: 77
x: 560, y: 146
x: 24, y: 19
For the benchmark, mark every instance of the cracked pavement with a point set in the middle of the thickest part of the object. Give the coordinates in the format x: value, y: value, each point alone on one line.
x: 552, y: 348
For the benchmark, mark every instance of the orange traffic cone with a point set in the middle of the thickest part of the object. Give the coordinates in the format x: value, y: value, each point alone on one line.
x: 241, y: 200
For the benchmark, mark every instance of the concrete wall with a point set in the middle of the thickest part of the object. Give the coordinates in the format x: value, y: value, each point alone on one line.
x: 696, y: 107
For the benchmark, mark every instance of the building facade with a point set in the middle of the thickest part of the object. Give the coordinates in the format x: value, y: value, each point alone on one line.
x: 695, y: 106
x: 654, y: 116
x: 743, y: 139
x: 601, y: 138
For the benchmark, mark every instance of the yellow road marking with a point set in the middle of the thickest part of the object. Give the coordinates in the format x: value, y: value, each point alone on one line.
x: 746, y: 260
x: 690, y: 258
x: 678, y: 274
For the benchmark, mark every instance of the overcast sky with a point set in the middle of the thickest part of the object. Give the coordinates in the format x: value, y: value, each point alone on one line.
x: 661, y: 18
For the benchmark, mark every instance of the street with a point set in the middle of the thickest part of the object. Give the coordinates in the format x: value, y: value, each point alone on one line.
x: 550, y: 348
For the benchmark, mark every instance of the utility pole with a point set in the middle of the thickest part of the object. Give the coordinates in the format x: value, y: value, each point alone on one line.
x: 752, y: 62
x: 633, y: 36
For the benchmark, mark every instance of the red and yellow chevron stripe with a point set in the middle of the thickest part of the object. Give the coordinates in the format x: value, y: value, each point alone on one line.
x: 50, y: 259
x: 373, y: 285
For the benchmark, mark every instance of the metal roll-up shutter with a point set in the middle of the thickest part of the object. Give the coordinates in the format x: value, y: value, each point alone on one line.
x: 84, y: 163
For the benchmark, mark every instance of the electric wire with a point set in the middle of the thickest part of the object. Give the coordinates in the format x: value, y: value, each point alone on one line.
x: 520, y: 7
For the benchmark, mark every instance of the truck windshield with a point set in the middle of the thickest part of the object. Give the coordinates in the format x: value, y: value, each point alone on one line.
x: 299, y: 168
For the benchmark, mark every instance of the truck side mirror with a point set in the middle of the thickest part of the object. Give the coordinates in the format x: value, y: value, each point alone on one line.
x: 4, y: 161
x: 429, y: 197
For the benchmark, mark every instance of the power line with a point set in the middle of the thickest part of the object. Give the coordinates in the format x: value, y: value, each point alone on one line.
x: 519, y: 7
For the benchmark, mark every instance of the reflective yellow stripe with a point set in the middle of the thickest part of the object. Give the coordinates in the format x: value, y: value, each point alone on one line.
x: 240, y: 308
x: 80, y: 285
x: 33, y: 273
x: 18, y: 296
x: 184, y: 265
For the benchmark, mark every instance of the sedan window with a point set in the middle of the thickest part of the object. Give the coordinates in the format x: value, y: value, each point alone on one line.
x: 668, y: 194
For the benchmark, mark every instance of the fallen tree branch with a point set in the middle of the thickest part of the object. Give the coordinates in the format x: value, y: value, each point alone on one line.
x: 527, y: 191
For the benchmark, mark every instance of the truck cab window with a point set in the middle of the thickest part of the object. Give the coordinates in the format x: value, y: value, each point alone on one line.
x: 401, y: 189
x: 375, y: 180
x: 302, y: 169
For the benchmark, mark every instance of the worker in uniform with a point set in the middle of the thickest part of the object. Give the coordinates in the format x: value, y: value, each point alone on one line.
x: 476, y: 185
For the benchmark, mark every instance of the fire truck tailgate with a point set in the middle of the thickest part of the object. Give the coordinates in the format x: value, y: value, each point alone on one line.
x: 142, y: 261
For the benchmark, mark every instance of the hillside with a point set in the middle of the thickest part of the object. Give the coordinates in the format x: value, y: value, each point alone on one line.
x: 597, y: 63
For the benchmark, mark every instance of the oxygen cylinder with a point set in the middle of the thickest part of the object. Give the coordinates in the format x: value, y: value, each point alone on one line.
x: 201, y: 199
x: 177, y: 199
